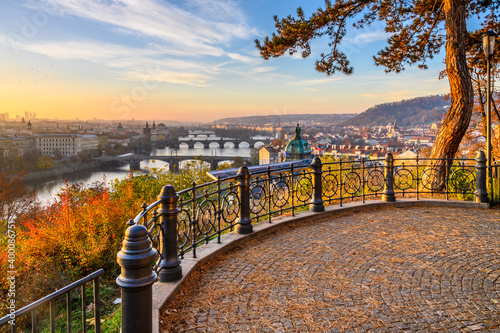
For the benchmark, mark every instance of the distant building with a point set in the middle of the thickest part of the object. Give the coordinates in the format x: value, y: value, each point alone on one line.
x: 66, y: 144
x: 15, y: 146
x: 297, y: 148
x: 146, y: 131
x: 407, y: 157
x: 269, y: 155
x: 427, y: 140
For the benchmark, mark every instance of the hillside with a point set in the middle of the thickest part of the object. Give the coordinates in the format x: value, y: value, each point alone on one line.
x: 284, y: 119
x: 408, y: 113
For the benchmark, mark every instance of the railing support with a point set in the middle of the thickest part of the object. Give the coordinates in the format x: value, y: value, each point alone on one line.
x: 171, y: 269
x: 136, y: 280
x: 244, y: 225
x: 316, y: 204
x: 481, y: 193
x: 388, y: 194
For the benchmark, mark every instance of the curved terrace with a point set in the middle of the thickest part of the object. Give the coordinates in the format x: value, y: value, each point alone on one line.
x: 408, y: 266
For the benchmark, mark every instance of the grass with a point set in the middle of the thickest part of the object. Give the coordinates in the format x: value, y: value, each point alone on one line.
x: 110, y: 314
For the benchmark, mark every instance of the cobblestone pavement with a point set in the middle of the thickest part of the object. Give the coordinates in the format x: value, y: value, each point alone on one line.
x: 420, y: 269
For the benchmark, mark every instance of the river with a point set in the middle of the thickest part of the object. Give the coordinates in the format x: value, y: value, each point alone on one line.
x: 48, y: 189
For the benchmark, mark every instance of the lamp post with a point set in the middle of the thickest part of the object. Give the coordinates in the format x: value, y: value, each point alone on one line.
x: 488, y: 47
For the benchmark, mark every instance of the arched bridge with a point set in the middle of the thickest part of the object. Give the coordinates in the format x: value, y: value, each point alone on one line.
x: 173, y: 161
x: 216, y: 142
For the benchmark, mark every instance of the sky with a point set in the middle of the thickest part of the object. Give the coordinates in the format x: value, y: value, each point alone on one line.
x: 182, y: 60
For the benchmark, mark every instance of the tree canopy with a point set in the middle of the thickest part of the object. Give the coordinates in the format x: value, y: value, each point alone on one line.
x: 418, y: 29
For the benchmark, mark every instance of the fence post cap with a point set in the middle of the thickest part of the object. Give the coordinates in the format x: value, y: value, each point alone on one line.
x: 243, y: 170
x: 137, y: 250
x: 316, y: 162
x: 480, y: 156
x: 168, y: 191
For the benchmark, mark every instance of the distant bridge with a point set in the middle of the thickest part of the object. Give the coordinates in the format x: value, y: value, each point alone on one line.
x: 173, y: 161
x: 216, y: 142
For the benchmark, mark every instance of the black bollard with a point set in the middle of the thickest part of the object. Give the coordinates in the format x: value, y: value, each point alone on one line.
x: 136, y: 280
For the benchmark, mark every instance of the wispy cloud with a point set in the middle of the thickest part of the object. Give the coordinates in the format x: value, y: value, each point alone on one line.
x: 187, y: 45
x: 312, y: 82
x: 264, y: 69
x: 129, y: 63
x: 186, y: 31
x: 245, y: 59
x: 365, y: 37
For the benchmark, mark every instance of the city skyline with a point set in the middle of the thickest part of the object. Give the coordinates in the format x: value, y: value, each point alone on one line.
x: 189, y: 60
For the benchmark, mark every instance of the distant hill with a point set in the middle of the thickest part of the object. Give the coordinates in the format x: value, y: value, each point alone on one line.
x: 408, y: 112
x: 284, y: 119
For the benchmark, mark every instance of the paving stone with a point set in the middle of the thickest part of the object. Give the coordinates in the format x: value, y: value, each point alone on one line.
x: 417, y: 269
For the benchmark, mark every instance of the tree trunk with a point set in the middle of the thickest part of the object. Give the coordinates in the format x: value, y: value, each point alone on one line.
x: 457, y: 120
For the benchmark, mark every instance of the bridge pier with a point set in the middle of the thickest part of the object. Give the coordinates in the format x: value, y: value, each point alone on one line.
x: 135, y: 164
x: 173, y: 164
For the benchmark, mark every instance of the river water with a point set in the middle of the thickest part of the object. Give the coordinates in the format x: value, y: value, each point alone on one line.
x: 48, y: 189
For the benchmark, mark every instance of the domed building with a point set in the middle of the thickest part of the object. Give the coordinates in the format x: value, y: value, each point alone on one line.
x: 297, y: 148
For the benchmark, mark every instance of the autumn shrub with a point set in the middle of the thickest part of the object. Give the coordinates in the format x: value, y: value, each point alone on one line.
x: 75, y: 236
x: 81, y: 232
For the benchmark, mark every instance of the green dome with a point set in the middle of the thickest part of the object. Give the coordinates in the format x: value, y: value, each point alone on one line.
x: 297, y: 148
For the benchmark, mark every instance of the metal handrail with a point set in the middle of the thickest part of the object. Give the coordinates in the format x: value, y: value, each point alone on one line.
x: 207, y: 210
x: 51, y: 298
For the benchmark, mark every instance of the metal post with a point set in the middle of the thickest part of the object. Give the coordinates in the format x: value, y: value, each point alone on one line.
x: 481, y: 193
x: 316, y: 204
x: 171, y: 269
x: 488, y: 123
x: 244, y: 225
x: 388, y: 194
x: 136, y: 279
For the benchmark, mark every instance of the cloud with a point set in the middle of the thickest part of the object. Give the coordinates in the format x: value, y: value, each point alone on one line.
x: 129, y: 63
x: 264, y: 69
x: 366, y: 37
x: 185, y: 31
x: 245, y: 59
x: 180, y: 42
x: 193, y: 79
x: 312, y: 82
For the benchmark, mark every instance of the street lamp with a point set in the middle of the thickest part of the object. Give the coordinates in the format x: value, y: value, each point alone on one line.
x: 488, y: 48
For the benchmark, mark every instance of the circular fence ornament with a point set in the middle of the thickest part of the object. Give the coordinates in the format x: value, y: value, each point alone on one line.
x: 257, y: 197
x: 230, y: 206
x: 352, y: 182
x: 375, y: 180
x: 432, y: 180
x: 463, y: 180
x: 303, y: 188
x: 403, y: 179
x: 206, y: 217
x: 330, y: 185
x: 280, y: 192
x: 184, y: 229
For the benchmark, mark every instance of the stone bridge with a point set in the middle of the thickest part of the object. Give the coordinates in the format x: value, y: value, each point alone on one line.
x: 211, y: 142
x: 173, y: 161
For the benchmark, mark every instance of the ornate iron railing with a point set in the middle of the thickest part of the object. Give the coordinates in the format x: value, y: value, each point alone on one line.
x: 13, y: 318
x: 178, y: 222
x: 204, y: 212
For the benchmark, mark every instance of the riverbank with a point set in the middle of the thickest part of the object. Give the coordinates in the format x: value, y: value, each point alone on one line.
x: 60, y: 172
